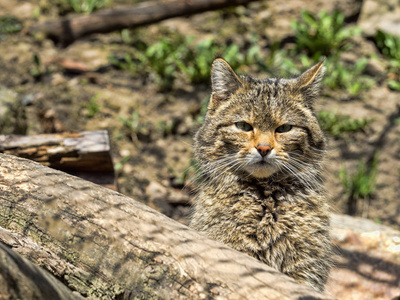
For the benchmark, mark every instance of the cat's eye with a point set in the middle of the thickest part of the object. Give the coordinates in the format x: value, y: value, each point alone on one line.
x: 284, y: 128
x: 244, y: 126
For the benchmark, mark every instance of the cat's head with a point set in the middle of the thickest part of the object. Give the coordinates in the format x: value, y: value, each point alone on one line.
x: 261, y: 127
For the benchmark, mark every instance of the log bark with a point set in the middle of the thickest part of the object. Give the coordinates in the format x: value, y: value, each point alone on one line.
x: 68, y: 30
x: 21, y: 279
x: 103, y: 244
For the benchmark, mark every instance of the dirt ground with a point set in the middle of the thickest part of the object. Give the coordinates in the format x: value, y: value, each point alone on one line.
x: 153, y: 161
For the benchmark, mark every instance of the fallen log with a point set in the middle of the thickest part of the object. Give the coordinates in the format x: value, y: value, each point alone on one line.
x: 68, y: 30
x: 84, y: 154
x: 106, y: 245
x: 20, y: 279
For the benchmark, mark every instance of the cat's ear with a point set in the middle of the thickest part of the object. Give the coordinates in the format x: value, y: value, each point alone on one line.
x: 224, y: 82
x: 309, y: 82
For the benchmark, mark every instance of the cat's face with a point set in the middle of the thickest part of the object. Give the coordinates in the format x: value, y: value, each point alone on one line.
x: 259, y: 127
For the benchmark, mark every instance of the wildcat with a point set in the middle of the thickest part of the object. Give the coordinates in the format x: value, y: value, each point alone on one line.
x: 260, y: 151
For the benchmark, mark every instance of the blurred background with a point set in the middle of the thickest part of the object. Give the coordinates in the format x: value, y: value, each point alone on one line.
x: 149, y: 86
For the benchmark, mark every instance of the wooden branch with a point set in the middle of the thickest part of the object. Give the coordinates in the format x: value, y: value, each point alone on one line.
x: 20, y: 279
x: 70, y: 29
x: 104, y: 244
x: 85, y: 154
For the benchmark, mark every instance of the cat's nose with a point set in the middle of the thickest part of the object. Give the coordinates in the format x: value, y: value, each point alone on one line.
x: 263, y: 149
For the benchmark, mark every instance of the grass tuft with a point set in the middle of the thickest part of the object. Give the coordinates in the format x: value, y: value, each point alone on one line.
x: 323, y: 34
x: 361, y: 184
x: 337, y: 124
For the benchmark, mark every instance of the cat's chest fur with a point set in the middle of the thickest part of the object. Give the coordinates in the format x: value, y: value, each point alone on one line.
x: 262, y: 214
x: 281, y: 226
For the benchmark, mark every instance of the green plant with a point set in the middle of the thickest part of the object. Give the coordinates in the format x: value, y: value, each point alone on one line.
x: 176, y: 54
x: 197, y: 61
x: 323, y: 34
x: 132, y: 123
x: 378, y: 220
x: 284, y: 63
x: 36, y: 70
x: 158, y: 60
x: 119, y: 165
x: 393, y: 84
x: 361, y: 184
x: 93, y: 107
x: 389, y: 45
x: 279, y: 64
x: 128, y: 63
x: 36, y: 12
x: 253, y: 54
x: 167, y: 127
x: 336, y: 124
x: 348, y: 77
x: 85, y: 6
x: 135, y: 128
x: 126, y: 36
x: 9, y: 24
x: 161, y: 57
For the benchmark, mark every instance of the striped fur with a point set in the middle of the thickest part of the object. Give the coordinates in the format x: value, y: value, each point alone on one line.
x: 273, y: 208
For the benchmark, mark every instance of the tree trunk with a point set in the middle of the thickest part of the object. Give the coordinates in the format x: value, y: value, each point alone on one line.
x: 68, y: 30
x: 103, y: 244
